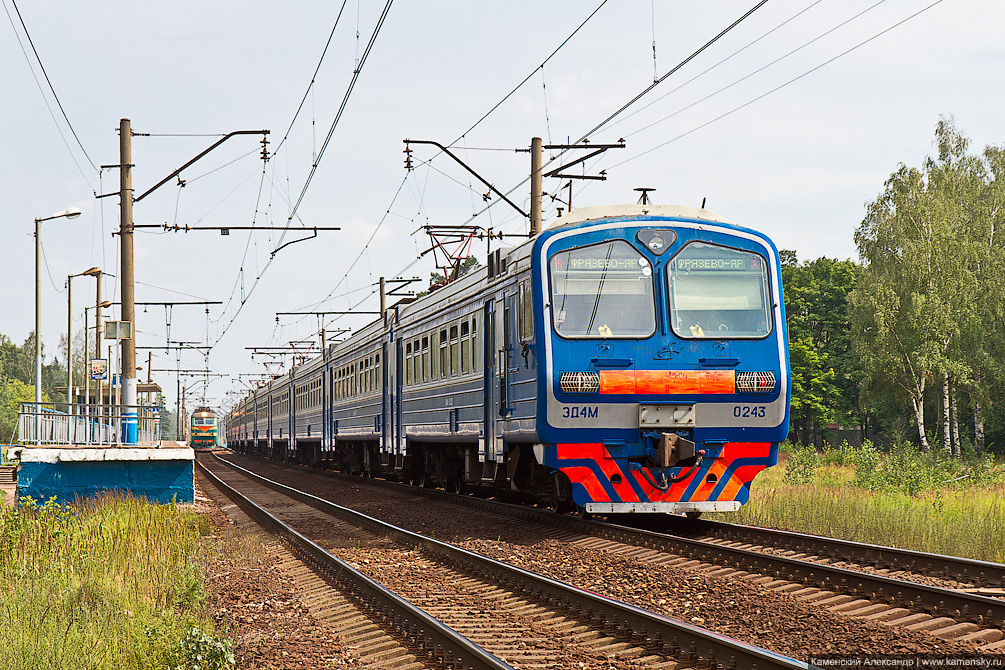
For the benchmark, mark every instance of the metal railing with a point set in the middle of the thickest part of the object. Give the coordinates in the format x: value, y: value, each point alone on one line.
x: 79, y: 424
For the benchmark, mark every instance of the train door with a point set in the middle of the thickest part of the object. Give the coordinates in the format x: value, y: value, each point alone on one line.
x: 327, y: 391
x: 386, y: 411
x: 291, y: 419
x: 486, y: 445
x: 501, y: 352
x: 397, y: 382
x: 270, y: 402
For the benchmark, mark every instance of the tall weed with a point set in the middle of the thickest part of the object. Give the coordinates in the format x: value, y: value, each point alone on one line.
x: 104, y: 584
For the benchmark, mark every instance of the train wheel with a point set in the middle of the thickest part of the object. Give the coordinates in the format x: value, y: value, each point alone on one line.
x: 582, y: 513
x: 453, y: 485
x: 559, y: 498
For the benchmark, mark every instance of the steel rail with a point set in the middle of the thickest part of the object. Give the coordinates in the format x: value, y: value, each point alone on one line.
x: 982, y: 573
x: 411, y: 623
x: 982, y: 610
x: 673, y: 638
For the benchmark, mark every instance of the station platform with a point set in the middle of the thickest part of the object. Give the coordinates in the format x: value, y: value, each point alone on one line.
x: 161, y: 474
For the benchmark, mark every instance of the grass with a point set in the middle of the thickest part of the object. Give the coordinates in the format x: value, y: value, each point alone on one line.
x: 899, y: 498
x: 111, y: 583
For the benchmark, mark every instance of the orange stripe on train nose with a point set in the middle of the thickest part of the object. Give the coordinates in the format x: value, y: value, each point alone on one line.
x: 663, y: 382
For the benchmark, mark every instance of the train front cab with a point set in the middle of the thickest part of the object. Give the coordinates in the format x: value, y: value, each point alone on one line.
x: 665, y: 384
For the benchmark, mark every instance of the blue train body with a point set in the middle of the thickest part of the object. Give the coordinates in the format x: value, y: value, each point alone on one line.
x: 627, y: 359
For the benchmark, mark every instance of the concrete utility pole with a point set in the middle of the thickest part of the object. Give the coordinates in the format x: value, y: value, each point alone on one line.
x: 383, y: 302
x: 97, y: 320
x: 128, y: 373
x: 535, y: 186
x: 69, y: 344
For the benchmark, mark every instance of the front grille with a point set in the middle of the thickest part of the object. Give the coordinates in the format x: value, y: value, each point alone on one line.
x: 579, y: 382
x: 755, y: 382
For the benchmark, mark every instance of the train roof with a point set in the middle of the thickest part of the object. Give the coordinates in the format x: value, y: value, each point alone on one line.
x: 616, y: 211
x: 366, y: 338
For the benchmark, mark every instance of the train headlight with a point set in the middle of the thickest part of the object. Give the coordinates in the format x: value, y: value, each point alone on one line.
x: 755, y: 382
x: 579, y: 382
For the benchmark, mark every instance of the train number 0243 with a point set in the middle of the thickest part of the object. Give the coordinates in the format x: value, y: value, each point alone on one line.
x: 748, y: 411
x: 583, y: 412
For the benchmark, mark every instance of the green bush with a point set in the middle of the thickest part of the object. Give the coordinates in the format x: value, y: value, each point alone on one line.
x: 844, y: 454
x: 801, y: 465
x: 199, y: 651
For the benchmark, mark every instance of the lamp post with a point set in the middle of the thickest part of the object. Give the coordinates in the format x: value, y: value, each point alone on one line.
x: 70, y: 213
x: 90, y: 272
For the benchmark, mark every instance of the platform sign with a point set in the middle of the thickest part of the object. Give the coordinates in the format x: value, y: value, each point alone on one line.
x: 118, y: 330
x: 99, y: 368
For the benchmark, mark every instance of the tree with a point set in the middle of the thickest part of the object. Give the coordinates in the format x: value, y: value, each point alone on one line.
x: 13, y: 392
x: 929, y: 305
x: 824, y: 388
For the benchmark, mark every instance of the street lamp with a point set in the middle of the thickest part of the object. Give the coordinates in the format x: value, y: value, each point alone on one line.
x: 70, y: 213
x: 90, y: 272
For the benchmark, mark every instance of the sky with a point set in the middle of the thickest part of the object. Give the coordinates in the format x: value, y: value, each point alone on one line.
x: 789, y: 123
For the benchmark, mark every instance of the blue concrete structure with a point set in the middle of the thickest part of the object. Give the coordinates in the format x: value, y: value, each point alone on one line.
x: 159, y: 475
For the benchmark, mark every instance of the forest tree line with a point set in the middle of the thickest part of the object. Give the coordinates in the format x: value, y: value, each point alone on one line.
x: 907, y: 344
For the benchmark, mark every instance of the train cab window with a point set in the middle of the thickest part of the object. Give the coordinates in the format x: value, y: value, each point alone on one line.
x: 443, y: 353
x: 425, y: 358
x: 717, y: 292
x: 453, y: 350
x: 526, y: 312
x: 465, y: 346
x: 602, y: 291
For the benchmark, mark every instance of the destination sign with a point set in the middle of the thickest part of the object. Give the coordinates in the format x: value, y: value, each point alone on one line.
x: 752, y: 264
x: 578, y: 263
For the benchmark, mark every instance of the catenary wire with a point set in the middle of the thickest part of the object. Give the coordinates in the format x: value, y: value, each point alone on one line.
x: 49, y: 82
x: 45, y: 100
x: 781, y: 86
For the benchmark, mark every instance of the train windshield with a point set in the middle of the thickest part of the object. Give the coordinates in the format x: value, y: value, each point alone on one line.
x: 717, y: 293
x: 602, y: 291
x: 204, y: 421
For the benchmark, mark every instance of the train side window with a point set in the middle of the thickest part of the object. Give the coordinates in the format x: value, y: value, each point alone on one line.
x: 408, y: 363
x: 526, y: 312
x: 416, y: 362
x: 476, y: 354
x: 465, y: 346
x: 443, y: 352
x: 454, y: 346
x: 434, y: 366
x: 425, y: 358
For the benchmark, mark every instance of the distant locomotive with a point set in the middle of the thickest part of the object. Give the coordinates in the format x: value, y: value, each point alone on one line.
x: 203, y: 429
x: 627, y: 359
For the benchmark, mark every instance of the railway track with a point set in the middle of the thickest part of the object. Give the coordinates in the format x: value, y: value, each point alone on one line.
x: 946, y: 614
x: 970, y: 576
x: 466, y: 610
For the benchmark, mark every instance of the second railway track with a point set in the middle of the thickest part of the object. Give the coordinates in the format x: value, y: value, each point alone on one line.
x: 813, y: 615
x: 517, y: 617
